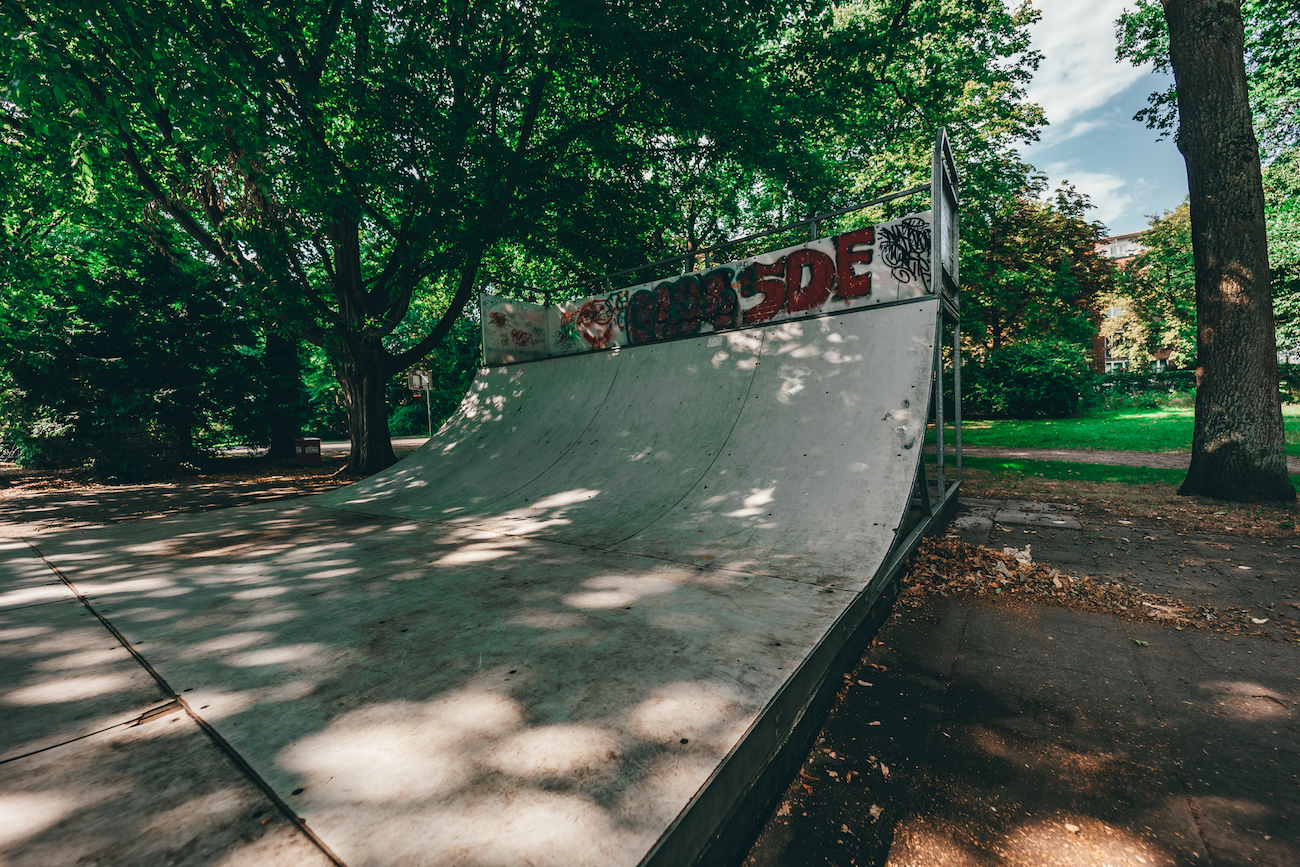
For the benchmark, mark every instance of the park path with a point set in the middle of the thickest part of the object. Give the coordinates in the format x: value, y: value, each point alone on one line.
x: 1115, y: 458
x: 977, y: 730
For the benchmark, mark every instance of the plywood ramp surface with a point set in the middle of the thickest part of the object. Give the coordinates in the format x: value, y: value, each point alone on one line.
x: 537, y: 639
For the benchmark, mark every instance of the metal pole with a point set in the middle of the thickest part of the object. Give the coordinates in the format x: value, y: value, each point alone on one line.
x: 956, y: 391
x: 936, y: 273
x: 428, y: 405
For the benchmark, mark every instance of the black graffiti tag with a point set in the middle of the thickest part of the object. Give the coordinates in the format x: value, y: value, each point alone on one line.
x: 905, y: 248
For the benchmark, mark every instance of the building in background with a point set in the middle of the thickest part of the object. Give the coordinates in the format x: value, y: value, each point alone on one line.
x: 1120, y: 249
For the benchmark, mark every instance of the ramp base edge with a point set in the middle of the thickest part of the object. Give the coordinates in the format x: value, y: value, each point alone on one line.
x: 726, y: 816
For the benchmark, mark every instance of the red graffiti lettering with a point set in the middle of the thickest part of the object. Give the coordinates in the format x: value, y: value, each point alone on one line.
x: 821, y: 277
x: 641, y: 317
x: 852, y: 284
x: 522, y: 338
x: 719, y: 299
x: 768, y: 280
x: 678, y: 308
x: 498, y: 318
x: 681, y: 318
x: 595, y: 322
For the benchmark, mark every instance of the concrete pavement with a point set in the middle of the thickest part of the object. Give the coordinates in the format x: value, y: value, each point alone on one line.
x: 981, y: 734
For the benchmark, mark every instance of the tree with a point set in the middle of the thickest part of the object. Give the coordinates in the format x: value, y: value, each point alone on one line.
x: 1237, y: 442
x: 78, y: 253
x: 342, y: 160
x: 1282, y: 213
x: 1158, y: 292
x: 131, y: 364
x: 339, y: 157
x: 1032, y: 270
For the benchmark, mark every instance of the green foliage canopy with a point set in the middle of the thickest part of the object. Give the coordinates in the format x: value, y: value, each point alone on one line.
x: 1158, y: 290
x: 1033, y: 271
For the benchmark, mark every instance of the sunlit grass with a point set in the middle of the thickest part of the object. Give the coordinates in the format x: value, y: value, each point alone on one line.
x: 1144, y: 430
x: 1066, y: 471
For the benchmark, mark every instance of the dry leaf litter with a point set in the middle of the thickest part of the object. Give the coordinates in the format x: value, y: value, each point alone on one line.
x: 949, y: 566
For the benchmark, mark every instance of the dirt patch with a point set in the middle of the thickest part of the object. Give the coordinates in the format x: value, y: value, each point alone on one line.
x: 1147, y: 505
x: 36, y: 500
x: 1109, y: 458
x: 947, y: 567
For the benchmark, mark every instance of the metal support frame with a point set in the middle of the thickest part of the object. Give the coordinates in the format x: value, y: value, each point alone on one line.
x: 944, y: 279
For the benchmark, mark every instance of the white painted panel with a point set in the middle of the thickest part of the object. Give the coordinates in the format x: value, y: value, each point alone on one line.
x: 817, y: 475
x: 669, y: 412
x: 514, y: 423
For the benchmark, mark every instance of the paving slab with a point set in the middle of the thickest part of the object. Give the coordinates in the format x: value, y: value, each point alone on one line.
x: 63, y: 676
x: 160, y: 793
x: 1050, y: 737
x: 841, y: 805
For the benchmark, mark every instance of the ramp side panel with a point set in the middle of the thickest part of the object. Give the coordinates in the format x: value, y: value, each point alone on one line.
x: 815, y: 479
x: 668, y: 414
x: 513, y: 424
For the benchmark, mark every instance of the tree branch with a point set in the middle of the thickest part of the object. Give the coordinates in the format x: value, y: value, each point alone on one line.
x: 468, y: 275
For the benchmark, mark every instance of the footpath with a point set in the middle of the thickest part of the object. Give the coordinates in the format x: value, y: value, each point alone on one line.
x: 1112, y: 458
x: 976, y: 730
x: 980, y: 731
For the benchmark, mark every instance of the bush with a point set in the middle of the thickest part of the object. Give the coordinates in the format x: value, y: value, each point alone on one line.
x: 129, y: 365
x: 1145, y: 390
x: 1030, y: 379
x: 1289, y: 380
x: 409, y: 420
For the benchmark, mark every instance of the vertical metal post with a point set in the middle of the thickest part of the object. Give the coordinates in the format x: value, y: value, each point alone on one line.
x: 941, y: 480
x: 956, y: 391
x: 482, y: 331
x: 428, y: 405
x: 936, y: 286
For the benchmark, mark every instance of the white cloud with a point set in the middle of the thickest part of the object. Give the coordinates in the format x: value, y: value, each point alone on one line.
x: 1083, y: 127
x: 1079, y: 71
x: 1109, y: 193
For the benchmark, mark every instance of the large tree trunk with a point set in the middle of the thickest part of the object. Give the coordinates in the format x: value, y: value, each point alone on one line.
x: 364, y: 379
x: 1237, y: 444
x: 362, y: 364
x: 284, y: 401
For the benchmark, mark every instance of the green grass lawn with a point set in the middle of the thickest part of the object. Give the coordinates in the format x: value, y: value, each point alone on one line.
x: 1143, y: 430
x: 1065, y: 470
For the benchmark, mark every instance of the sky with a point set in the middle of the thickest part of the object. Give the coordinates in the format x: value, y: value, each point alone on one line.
x: 1090, y: 98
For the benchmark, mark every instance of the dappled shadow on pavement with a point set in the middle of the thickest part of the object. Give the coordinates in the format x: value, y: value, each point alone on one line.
x: 414, y: 691
x: 1030, y: 735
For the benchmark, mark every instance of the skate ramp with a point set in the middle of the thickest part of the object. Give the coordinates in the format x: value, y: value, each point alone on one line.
x: 787, y: 450
x: 592, y: 621
x: 573, y: 628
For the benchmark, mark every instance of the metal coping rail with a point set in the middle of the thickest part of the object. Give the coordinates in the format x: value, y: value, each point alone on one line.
x: 683, y: 257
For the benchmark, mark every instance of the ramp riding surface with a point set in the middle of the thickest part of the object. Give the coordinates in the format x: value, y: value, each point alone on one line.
x: 542, y: 638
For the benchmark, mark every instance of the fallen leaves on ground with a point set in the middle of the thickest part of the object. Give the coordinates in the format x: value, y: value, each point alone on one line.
x: 1113, y: 502
x: 949, y: 566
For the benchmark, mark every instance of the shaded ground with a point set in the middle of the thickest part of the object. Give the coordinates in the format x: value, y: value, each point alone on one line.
x: 1157, y: 460
x: 984, y: 727
x: 45, y: 499
x: 1155, y: 506
x: 990, y: 723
